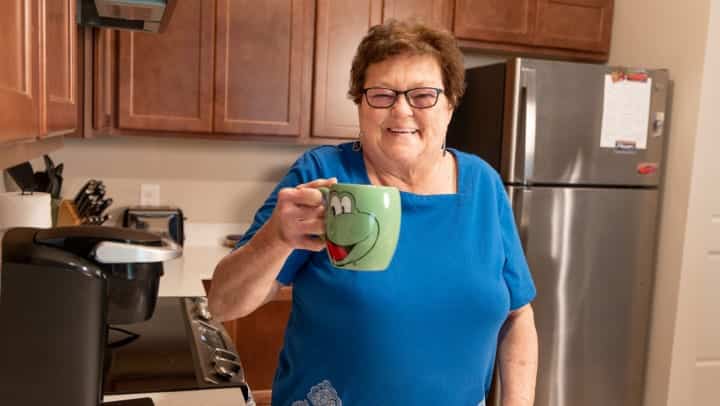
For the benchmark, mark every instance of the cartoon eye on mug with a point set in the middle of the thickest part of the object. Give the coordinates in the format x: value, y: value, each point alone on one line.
x: 352, y: 233
x: 340, y: 205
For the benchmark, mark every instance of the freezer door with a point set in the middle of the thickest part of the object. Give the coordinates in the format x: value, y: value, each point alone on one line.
x: 558, y: 123
x: 591, y: 253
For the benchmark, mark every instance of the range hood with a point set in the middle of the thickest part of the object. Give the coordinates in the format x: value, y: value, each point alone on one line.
x: 135, y: 15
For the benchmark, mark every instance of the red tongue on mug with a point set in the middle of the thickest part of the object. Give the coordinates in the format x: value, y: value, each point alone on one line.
x: 337, y: 253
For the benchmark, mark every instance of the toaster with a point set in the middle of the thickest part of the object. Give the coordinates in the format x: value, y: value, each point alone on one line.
x: 162, y: 220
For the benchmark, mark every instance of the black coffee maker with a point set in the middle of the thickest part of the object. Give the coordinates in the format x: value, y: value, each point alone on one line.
x: 60, y: 288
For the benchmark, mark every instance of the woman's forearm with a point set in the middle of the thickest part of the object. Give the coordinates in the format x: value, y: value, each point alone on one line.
x: 244, y: 279
x: 518, y: 358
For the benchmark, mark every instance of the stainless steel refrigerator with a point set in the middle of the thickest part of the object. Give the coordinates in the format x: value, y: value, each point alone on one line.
x: 586, y: 210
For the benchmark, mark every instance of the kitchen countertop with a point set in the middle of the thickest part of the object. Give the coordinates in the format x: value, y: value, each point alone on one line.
x: 183, y: 276
x: 202, y: 251
x: 209, y: 397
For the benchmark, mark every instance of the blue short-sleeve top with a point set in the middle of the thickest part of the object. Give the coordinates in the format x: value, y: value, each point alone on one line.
x: 423, y: 332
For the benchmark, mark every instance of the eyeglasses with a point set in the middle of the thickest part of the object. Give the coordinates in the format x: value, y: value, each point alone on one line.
x: 419, y: 97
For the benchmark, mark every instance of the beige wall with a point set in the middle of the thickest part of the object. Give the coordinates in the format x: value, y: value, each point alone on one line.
x: 213, y: 181
x: 671, y: 34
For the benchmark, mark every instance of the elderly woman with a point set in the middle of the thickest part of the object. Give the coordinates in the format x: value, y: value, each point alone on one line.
x: 456, y: 294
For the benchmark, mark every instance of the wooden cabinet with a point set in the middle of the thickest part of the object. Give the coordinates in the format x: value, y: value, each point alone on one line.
x: 510, y: 21
x: 249, y: 69
x: 38, y: 72
x: 58, y: 67
x: 576, y: 24
x: 165, y: 80
x: 19, y: 103
x: 104, y: 69
x: 258, y: 339
x: 435, y: 13
x: 340, y: 26
x: 263, y: 76
x: 570, y: 25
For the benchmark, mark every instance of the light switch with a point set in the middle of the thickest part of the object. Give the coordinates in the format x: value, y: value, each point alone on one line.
x: 149, y: 194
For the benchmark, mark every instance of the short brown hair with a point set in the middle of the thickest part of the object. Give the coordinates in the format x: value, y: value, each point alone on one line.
x: 394, y: 38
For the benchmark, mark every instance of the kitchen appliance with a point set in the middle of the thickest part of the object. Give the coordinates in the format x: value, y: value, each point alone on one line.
x: 162, y: 220
x: 136, y: 15
x: 60, y: 289
x: 583, y: 178
x: 181, y: 348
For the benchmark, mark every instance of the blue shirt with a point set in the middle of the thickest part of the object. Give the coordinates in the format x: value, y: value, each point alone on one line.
x: 425, y: 331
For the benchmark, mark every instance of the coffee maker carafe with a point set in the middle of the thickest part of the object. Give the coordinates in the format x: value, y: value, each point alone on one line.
x: 59, y: 290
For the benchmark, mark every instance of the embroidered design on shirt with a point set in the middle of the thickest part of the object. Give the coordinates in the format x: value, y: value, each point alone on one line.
x: 322, y: 394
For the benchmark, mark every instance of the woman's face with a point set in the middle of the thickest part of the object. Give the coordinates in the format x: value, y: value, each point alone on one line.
x: 403, y: 135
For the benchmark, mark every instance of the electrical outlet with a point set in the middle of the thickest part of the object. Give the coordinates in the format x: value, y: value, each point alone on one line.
x: 149, y: 194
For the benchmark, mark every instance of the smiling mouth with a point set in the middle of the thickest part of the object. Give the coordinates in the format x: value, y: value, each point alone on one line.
x: 402, y: 130
x: 338, y: 252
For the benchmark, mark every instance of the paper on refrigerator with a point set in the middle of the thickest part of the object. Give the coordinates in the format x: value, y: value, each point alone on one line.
x: 626, y: 114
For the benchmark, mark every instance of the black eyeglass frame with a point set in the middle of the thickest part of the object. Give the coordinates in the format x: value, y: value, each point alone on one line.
x: 397, y: 93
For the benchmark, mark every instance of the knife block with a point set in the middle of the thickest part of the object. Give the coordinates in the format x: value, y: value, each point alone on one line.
x: 67, y: 214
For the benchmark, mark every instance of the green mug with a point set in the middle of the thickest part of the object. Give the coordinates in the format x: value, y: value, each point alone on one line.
x: 362, y: 225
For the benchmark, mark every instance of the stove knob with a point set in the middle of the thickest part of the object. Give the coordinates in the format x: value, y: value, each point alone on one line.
x: 226, y: 369
x: 201, y: 309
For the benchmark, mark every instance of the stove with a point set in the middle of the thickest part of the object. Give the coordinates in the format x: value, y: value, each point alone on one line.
x: 180, y: 348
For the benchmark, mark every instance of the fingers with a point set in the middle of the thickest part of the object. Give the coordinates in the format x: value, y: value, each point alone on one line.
x: 314, y: 226
x: 312, y: 243
x: 318, y: 183
x: 300, y: 196
x: 300, y: 215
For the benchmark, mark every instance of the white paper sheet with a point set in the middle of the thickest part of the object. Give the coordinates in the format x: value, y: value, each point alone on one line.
x: 626, y: 114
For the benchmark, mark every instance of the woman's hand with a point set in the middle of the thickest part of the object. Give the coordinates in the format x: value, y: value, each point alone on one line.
x: 299, y: 215
x: 245, y: 279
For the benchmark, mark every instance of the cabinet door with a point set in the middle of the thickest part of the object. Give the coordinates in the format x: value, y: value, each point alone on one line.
x: 341, y: 24
x: 58, y: 65
x: 104, y: 67
x: 165, y: 79
x: 18, y: 70
x: 435, y: 13
x: 259, y: 340
x: 575, y: 24
x: 263, y: 76
x: 504, y: 21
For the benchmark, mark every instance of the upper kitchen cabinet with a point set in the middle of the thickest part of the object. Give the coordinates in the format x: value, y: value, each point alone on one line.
x: 576, y: 24
x: 341, y: 24
x: 263, y: 74
x: 38, y: 72
x: 58, y: 65
x: 19, y: 70
x: 165, y: 80
x: 569, y: 29
x: 510, y: 21
x: 104, y: 68
x: 435, y: 13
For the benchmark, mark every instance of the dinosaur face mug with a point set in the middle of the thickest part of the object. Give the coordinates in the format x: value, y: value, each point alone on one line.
x: 362, y: 225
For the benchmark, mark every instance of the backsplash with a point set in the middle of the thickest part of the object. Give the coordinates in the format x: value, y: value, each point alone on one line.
x: 212, y: 181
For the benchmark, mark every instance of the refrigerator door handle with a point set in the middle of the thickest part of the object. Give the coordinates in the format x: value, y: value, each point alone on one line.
x: 530, y: 85
x: 521, y: 201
